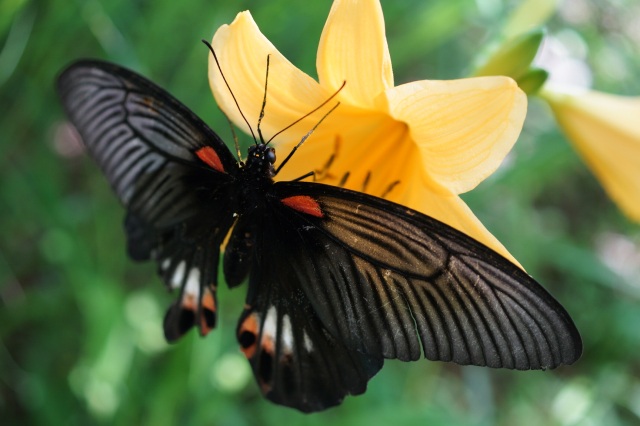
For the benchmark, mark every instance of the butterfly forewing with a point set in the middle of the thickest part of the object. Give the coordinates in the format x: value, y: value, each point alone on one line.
x: 390, y: 281
x: 173, y: 173
x: 135, y: 130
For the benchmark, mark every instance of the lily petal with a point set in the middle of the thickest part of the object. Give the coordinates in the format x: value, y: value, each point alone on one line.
x: 353, y: 48
x: 604, y: 129
x: 463, y: 128
x: 242, y: 51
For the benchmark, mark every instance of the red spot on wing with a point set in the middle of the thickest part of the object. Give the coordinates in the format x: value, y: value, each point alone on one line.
x: 304, y: 204
x: 210, y: 157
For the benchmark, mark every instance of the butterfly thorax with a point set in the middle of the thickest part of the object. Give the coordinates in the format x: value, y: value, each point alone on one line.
x: 257, y: 173
x: 259, y: 164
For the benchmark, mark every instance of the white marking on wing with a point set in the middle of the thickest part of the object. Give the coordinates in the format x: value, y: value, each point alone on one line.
x: 165, y: 264
x: 308, y: 344
x: 269, y: 326
x: 178, y: 275
x: 287, y: 334
x: 192, y: 286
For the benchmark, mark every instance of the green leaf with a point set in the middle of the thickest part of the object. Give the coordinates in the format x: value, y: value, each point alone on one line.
x: 531, y: 81
x: 514, y: 56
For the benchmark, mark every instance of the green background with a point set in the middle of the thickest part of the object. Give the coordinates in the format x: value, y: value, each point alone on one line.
x: 80, y: 324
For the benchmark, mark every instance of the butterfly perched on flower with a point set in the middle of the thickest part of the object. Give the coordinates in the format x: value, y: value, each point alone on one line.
x: 337, y: 280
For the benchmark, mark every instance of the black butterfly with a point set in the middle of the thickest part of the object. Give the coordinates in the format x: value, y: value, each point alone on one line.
x: 338, y: 280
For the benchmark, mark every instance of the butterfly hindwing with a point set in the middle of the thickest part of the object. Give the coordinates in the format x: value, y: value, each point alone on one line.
x: 173, y: 174
x: 388, y: 281
x: 189, y: 263
x: 295, y: 360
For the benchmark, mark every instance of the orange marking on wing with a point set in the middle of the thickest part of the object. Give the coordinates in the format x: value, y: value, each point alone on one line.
x: 208, y: 303
x: 210, y: 157
x: 249, y: 325
x: 189, y: 302
x: 304, y: 204
x: 268, y: 344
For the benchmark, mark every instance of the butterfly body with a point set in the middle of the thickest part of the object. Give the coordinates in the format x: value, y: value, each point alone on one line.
x: 337, y: 280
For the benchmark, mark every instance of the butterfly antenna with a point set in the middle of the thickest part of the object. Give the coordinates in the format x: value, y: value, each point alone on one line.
x: 308, y: 114
x: 264, y: 101
x: 215, y: 57
x: 304, y: 138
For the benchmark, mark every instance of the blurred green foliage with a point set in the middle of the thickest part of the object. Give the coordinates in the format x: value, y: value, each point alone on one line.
x: 80, y: 324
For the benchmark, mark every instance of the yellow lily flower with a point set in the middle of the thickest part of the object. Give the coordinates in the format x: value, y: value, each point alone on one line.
x: 604, y: 129
x: 436, y: 138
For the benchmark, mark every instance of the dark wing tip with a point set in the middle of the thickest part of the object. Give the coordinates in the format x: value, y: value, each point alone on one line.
x: 178, y: 321
x: 531, y: 329
x: 571, y: 341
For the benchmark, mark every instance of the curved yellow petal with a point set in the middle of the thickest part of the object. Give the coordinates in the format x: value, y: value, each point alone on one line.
x: 464, y: 128
x: 353, y: 48
x: 605, y: 130
x: 242, y: 50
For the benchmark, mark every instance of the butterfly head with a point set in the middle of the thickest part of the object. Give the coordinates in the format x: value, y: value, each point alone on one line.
x: 261, y: 159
